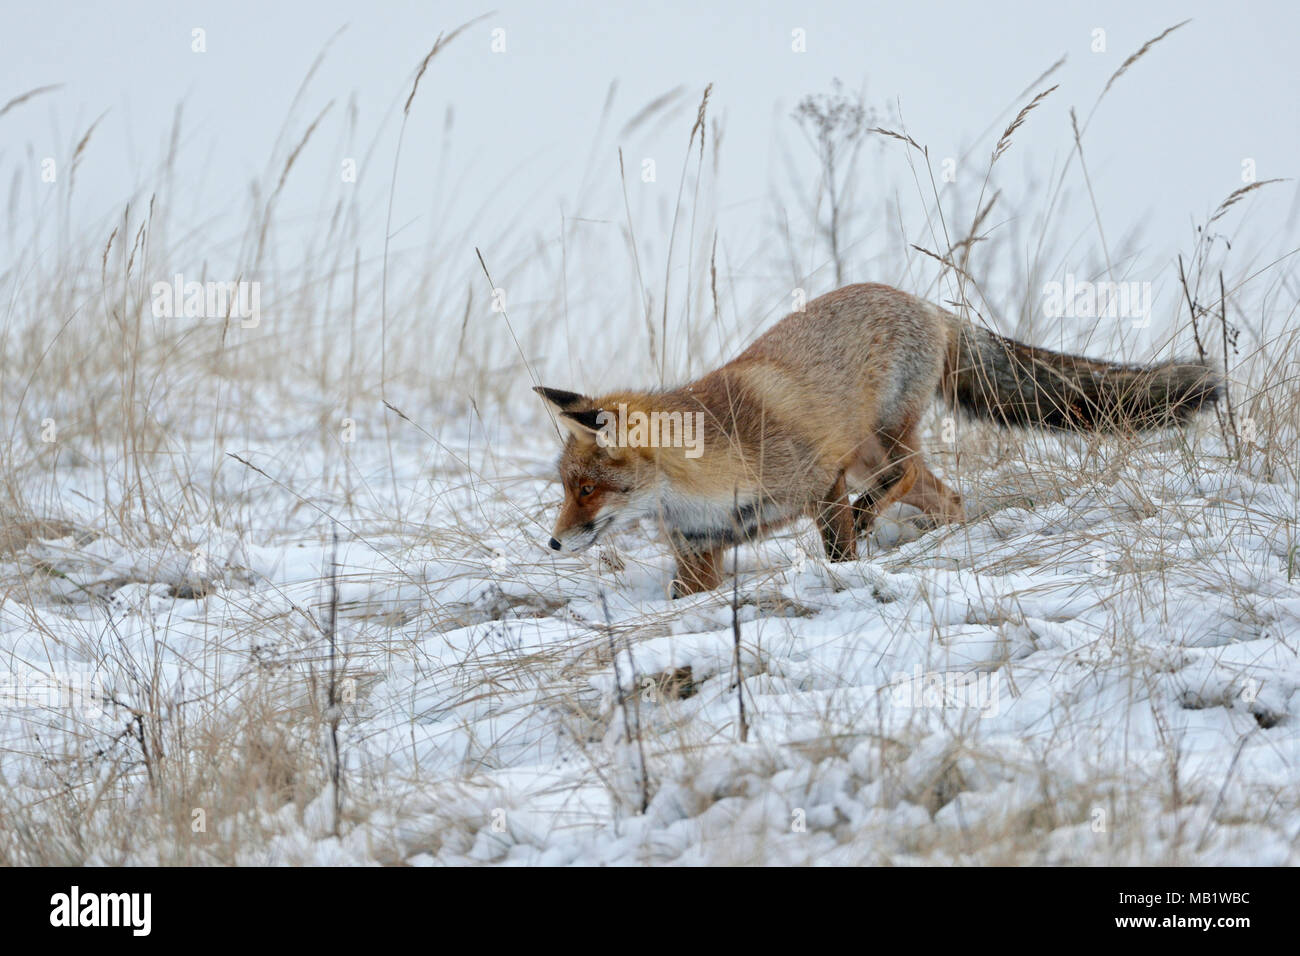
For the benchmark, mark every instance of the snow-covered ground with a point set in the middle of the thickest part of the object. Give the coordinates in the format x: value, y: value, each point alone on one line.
x: 1099, y: 667
x: 274, y: 584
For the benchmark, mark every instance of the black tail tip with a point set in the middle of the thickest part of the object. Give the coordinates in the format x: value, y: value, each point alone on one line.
x: 1190, y: 388
x: 1197, y: 385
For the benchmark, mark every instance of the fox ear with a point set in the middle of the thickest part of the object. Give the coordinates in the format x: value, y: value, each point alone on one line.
x: 586, y: 425
x: 560, y: 400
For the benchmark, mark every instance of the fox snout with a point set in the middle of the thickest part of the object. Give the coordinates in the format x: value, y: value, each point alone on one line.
x: 578, y: 528
x: 580, y: 537
x: 587, y: 513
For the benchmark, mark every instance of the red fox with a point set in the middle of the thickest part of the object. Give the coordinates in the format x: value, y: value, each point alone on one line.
x: 826, y: 402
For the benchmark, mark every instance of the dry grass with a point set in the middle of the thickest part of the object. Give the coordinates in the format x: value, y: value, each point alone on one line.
x: 225, y: 737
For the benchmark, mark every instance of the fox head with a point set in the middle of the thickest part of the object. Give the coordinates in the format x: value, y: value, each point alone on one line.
x: 605, y: 486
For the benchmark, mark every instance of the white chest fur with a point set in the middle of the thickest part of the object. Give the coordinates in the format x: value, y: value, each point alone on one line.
x: 723, y: 519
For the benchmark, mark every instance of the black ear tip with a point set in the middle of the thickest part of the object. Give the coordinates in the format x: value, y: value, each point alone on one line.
x: 590, y: 419
x: 560, y: 397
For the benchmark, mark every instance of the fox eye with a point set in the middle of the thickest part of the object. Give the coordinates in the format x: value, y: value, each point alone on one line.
x: 586, y: 490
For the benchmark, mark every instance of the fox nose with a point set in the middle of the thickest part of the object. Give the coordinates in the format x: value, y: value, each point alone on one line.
x: 555, y: 545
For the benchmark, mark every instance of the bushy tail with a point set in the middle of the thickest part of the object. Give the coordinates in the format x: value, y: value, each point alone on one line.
x: 1008, y: 382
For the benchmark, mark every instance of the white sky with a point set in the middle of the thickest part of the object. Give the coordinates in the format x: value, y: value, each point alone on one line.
x: 1165, y: 147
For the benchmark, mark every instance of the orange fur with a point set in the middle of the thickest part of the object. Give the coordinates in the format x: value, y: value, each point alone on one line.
x: 827, y: 402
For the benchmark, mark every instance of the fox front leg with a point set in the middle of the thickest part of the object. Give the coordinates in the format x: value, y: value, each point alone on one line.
x: 697, y: 570
x: 834, y: 516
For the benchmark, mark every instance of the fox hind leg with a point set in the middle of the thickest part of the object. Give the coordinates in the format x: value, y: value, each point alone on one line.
x: 889, y: 479
x: 939, y: 504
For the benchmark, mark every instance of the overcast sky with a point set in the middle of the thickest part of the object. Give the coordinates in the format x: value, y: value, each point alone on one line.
x: 1167, y: 144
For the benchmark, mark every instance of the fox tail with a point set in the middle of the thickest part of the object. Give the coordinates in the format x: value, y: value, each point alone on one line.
x: 1008, y: 382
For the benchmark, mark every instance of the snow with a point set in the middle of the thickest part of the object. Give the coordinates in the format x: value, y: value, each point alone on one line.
x: 1100, y: 666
